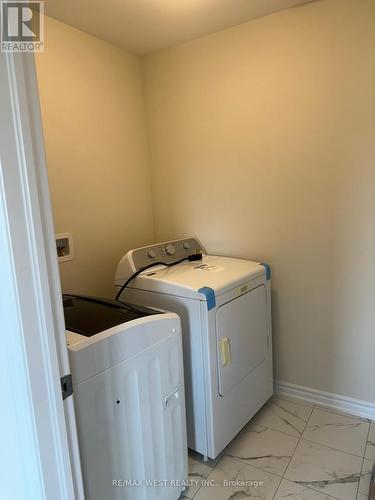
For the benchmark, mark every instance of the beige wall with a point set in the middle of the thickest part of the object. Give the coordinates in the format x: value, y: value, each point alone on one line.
x: 93, y: 118
x: 262, y: 144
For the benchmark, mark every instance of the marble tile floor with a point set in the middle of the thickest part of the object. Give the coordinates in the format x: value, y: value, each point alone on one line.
x: 290, y: 451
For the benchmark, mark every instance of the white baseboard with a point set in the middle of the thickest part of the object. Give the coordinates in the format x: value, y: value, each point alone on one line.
x: 363, y: 409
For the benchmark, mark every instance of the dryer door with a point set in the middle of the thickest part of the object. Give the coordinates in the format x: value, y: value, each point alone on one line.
x: 241, y: 333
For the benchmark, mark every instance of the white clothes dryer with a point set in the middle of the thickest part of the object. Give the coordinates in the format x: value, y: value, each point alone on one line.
x: 225, y: 309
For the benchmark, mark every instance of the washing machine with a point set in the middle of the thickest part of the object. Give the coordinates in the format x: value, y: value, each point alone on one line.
x: 225, y: 308
x: 128, y: 390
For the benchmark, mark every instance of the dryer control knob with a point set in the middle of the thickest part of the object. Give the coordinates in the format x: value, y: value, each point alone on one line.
x: 186, y: 245
x: 170, y: 250
x: 151, y: 254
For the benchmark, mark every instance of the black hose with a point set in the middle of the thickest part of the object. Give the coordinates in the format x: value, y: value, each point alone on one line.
x: 170, y: 264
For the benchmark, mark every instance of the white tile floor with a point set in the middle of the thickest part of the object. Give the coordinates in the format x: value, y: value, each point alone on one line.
x: 294, y: 451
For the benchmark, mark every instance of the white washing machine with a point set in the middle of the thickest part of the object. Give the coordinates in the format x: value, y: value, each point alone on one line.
x: 129, y: 399
x: 225, y: 309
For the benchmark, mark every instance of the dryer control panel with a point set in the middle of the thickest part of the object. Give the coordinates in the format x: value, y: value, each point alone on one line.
x: 166, y: 252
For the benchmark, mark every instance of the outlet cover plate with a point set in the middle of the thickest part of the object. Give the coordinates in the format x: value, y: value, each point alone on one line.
x: 64, y: 247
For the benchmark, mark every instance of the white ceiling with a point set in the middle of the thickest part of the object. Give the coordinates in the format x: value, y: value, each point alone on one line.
x: 144, y: 26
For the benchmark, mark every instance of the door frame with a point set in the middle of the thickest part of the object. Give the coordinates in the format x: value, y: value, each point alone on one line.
x: 40, y: 458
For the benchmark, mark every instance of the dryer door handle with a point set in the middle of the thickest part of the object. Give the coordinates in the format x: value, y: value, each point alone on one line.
x: 225, y: 352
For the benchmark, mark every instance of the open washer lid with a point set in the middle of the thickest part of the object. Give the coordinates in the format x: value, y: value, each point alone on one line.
x: 186, y: 279
x: 89, y: 316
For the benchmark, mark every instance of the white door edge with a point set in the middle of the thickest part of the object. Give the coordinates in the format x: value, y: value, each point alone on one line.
x: 33, y: 331
x: 52, y: 266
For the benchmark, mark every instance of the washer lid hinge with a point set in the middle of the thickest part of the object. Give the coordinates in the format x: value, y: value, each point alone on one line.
x: 66, y: 386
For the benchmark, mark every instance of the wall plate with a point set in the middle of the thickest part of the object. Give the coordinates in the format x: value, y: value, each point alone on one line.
x: 64, y: 247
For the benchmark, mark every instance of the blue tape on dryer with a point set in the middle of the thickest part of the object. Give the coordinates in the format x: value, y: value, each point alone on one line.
x: 210, y: 296
x: 267, y: 267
